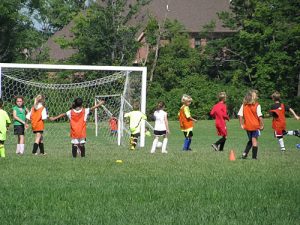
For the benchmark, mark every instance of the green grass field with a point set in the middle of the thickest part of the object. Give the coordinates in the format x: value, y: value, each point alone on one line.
x: 198, y: 187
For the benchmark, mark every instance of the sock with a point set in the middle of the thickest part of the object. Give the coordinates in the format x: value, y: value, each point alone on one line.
x: 247, y: 149
x: 189, y: 144
x: 35, y: 147
x: 2, y: 151
x: 133, y: 142
x: 74, y: 150
x: 254, y: 152
x: 41, y: 146
x: 82, y: 149
x: 185, y: 144
x: 154, y: 145
x: 164, y: 145
x: 18, y: 149
x: 220, y: 141
x: 21, y: 148
x: 281, y: 144
x: 222, y: 144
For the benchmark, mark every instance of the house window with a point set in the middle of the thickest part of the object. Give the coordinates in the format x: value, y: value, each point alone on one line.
x: 197, y: 43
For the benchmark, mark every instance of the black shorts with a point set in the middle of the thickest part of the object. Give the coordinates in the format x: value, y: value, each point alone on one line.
x: 160, y: 132
x: 188, y: 134
x: 135, y: 135
x: 38, y: 131
x: 19, y: 129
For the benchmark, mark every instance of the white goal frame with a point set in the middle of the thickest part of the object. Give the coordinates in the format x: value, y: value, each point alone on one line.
x: 143, y: 71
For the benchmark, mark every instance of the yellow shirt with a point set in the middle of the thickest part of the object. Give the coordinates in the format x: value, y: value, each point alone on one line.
x: 4, y: 121
x: 135, y: 118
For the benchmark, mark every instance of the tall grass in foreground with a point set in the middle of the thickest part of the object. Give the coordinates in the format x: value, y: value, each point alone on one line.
x: 198, y: 187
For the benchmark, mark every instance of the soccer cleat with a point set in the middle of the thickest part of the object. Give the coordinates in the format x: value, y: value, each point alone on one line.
x: 282, y: 149
x: 244, y: 156
x: 297, y: 133
x: 164, y: 152
x: 215, y: 147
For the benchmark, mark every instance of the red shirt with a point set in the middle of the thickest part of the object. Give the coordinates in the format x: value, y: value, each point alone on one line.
x: 219, y: 113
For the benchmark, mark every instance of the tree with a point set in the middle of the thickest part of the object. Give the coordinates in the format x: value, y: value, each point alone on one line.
x: 102, y: 36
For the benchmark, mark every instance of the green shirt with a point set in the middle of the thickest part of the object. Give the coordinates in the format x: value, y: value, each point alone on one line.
x: 4, y: 121
x: 135, y: 118
x: 20, y: 113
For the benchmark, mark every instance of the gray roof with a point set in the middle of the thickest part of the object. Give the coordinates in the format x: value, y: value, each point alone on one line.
x: 193, y: 14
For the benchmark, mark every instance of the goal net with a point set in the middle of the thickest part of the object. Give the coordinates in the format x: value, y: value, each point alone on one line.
x: 61, y: 84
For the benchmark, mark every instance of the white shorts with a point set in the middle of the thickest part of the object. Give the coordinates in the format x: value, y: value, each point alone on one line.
x: 76, y: 141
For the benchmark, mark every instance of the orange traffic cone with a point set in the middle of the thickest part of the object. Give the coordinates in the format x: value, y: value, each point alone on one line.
x: 232, y: 155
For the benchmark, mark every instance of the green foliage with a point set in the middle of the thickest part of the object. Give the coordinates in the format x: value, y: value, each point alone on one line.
x: 102, y: 37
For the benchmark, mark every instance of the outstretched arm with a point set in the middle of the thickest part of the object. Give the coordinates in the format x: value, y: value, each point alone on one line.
x: 57, y: 117
x: 294, y: 114
x: 101, y: 102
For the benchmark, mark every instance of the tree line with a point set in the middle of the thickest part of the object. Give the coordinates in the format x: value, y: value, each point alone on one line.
x: 262, y: 53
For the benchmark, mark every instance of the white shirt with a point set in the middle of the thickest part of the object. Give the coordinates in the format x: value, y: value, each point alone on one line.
x: 86, y: 113
x: 258, y: 111
x: 160, y: 123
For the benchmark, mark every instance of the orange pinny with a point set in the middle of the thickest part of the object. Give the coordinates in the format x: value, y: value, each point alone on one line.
x: 278, y: 122
x: 78, y: 124
x: 250, y: 117
x: 36, y: 119
x: 185, y: 123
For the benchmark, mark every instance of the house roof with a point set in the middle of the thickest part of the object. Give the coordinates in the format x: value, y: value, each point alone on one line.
x: 193, y: 14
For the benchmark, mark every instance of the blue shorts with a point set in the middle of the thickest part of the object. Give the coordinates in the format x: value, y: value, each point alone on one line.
x: 253, y: 134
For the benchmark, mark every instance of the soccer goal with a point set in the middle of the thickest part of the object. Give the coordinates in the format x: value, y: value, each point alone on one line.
x: 61, y: 84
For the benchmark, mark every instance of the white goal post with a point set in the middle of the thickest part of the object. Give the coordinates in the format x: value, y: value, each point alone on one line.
x: 33, y: 79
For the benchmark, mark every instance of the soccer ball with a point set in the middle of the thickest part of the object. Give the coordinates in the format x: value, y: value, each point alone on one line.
x: 159, y: 144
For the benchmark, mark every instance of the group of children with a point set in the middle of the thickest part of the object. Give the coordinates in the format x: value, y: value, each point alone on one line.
x: 250, y: 118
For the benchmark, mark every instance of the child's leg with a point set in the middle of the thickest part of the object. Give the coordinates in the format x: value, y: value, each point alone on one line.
x: 82, y: 149
x: 248, y: 146
x: 41, y: 145
x: 133, y: 141
x: 222, y: 143
x: 21, y: 144
x: 74, y: 150
x: 18, y: 145
x: 164, y: 145
x: 279, y: 135
x: 2, y: 149
x: 254, y: 147
x: 190, y: 135
x: 292, y: 132
x: 186, y: 141
x: 154, y: 144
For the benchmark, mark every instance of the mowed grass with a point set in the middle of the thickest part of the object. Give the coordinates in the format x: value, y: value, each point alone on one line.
x: 198, y: 187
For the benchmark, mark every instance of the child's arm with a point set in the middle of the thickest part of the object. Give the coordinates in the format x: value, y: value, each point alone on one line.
x: 57, y: 117
x: 294, y: 114
x: 241, y: 119
x: 167, y: 123
x: 17, y: 118
x: 261, y: 123
x: 101, y: 102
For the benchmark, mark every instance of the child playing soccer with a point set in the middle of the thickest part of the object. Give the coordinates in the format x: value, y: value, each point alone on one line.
x: 186, y: 121
x: 19, y: 115
x: 161, y: 127
x: 251, y: 121
x: 78, y: 117
x: 113, y: 125
x: 278, y: 110
x: 37, y: 115
x: 135, y: 118
x: 4, y: 124
x: 219, y: 113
